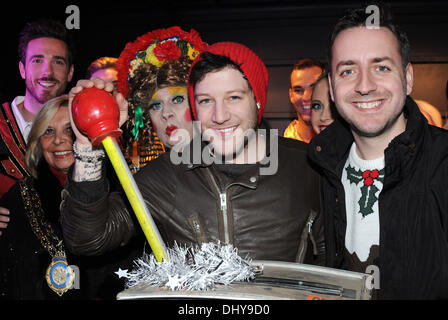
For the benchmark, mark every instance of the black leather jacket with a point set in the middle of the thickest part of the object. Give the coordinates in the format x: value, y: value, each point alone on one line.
x: 264, y: 216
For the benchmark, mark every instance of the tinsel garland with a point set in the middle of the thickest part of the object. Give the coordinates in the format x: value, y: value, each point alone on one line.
x: 191, y: 268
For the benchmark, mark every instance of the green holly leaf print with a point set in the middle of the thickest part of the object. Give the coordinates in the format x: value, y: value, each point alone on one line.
x: 367, y: 200
x: 353, y: 175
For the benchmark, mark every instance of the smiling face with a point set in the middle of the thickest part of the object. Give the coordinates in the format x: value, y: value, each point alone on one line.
x: 46, y: 71
x: 321, y: 116
x: 57, y: 141
x: 226, y: 107
x: 170, y: 112
x: 302, y: 83
x: 368, y: 83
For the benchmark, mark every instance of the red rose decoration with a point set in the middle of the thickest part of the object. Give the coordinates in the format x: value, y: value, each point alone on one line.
x: 368, y: 181
x: 195, y: 40
x: 167, y: 50
x: 375, y: 174
x: 366, y: 174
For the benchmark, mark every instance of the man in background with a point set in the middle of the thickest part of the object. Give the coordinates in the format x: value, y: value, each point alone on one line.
x: 105, y: 69
x: 46, y: 64
x: 303, y: 77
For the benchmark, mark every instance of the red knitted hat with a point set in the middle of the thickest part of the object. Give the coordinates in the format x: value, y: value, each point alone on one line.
x: 252, y: 66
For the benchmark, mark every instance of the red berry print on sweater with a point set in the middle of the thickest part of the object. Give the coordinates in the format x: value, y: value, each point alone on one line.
x: 368, y: 189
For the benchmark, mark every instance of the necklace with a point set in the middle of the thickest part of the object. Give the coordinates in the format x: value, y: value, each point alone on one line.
x: 59, y: 274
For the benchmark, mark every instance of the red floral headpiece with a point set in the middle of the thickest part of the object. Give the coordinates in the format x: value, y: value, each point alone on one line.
x: 156, y: 48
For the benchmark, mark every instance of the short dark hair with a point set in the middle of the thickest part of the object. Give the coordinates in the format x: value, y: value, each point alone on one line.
x: 45, y: 28
x: 306, y: 63
x: 211, y: 63
x: 358, y: 17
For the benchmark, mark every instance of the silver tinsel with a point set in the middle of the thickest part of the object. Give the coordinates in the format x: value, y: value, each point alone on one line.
x: 192, y: 268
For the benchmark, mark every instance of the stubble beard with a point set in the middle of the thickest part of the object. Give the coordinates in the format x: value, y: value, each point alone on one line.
x: 46, y: 95
x: 389, y: 123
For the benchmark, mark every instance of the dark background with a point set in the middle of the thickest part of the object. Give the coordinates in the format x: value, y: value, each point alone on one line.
x: 280, y: 32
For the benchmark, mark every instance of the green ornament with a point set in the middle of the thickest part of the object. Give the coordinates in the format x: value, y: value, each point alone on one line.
x: 138, y: 111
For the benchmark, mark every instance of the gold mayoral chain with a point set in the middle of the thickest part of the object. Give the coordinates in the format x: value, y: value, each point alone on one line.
x: 60, y: 276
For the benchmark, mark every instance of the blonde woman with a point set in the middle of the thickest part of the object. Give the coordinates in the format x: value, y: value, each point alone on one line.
x: 32, y: 242
x: 323, y: 109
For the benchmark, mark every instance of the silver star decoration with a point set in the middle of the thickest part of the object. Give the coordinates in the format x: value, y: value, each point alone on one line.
x: 173, y: 282
x: 122, y: 273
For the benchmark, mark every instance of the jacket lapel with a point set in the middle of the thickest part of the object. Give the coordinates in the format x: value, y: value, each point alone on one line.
x: 13, y: 142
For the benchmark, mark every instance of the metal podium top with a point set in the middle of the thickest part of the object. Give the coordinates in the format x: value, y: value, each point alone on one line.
x: 277, y: 281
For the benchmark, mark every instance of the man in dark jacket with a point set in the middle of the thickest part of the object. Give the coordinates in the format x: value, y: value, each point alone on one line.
x: 265, y: 209
x: 384, y: 168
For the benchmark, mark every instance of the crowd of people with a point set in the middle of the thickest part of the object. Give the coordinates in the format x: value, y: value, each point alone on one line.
x: 359, y: 178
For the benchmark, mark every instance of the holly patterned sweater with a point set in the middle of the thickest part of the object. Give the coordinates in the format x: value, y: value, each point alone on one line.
x: 363, y: 182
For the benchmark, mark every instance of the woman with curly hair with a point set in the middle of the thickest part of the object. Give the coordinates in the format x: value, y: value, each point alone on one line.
x: 152, y: 75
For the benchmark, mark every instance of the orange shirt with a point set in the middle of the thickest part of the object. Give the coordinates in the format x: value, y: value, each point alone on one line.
x: 296, y: 130
x: 430, y: 112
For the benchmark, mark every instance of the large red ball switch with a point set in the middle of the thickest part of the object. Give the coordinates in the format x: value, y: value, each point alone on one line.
x: 96, y: 114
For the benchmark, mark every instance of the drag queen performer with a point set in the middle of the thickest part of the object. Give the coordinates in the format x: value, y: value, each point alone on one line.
x: 152, y: 76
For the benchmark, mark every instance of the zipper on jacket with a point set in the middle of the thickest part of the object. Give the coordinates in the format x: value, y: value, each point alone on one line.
x: 223, y: 207
x: 198, y: 230
x: 196, y: 226
x: 223, y: 198
x: 310, y: 231
x: 307, y: 234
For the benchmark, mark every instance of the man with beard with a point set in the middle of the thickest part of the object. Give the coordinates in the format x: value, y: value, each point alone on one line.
x: 384, y: 169
x: 46, y: 65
